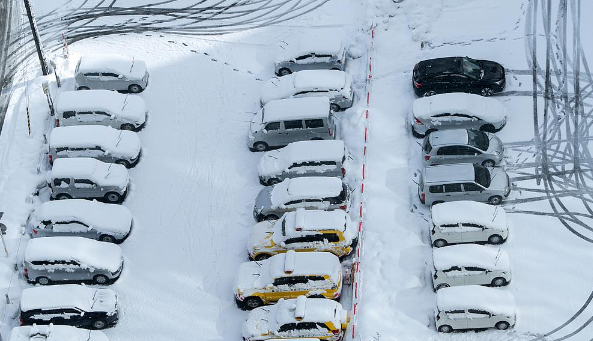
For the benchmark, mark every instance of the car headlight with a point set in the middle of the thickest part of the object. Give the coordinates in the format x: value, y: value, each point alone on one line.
x: 496, y: 152
x: 507, y: 190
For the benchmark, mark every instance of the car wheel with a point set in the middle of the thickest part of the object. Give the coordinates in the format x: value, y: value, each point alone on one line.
x: 502, y: 325
x: 124, y: 163
x: 486, y: 92
x: 495, y: 200
x: 135, y: 88
x: 262, y: 256
x: 442, y: 285
x: 43, y: 280
x: 271, y: 217
x: 445, y: 328
x: 107, y: 238
x: 63, y: 196
x: 83, y: 88
x: 430, y: 93
x: 127, y: 126
x: 489, y: 128
x: 284, y: 72
x: 273, y: 181
x: 488, y: 163
x: 260, y: 146
x: 334, y: 107
x: 112, y: 197
x: 495, y: 239
x: 252, y: 303
x: 99, y: 324
x: 499, y: 282
x: 100, y: 279
x: 440, y: 243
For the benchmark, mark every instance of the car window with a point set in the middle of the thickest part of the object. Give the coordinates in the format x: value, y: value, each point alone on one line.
x: 293, y: 202
x: 462, y: 116
x: 61, y: 181
x: 109, y: 74
x: 473, y: 225
x: 273, y: 126
x: 85, y: 112
x: 454, y: 268
x: 303, y: 57
x: 471, y: 187
x: 296, y: 124
x: 68, y: 114
x: 331, y: 237
x: 315, y: 278
x: 474, y: 268
x: 452, y: 188
x: 92, y: 74
x: 311, y: 91
x: 482, y: 175
x: 436, y: 189
x: 287, y: 327
x: 478, y: 139
x: 449, y: 225
x: 314, y: 123
x: 479, y: 312
x: 306, y: 325
x: 70, y: 311
x: 291, y: 280
x: 448, y: 150
x: 323, y: 55
x: 101, y: 113
x: 83, y: 181
x: 442, y: 115
x: 465, y: 150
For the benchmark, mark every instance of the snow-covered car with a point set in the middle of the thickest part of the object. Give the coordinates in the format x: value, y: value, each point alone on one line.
x: 69, y: 304
x: 71, y: 259
x: 81, y: 218
x: 304, y: 230
x: 311, y: 193
x: 101, y: 107
x: 111, y: 72
x: 468, y: 222
x: 55, y: 333
x: 474, y: 307
x: 457, y: 111
x: 311, y: 52
x: 297, y: 318
x: 463, y: 181
x: 88, y: 178
x: 336, y: 85
x: 304, y: 158
x: 99, y: 142
x: 462, y: 146
x: 288, y: 275
x: 470, y: 265
x: 283, y: 121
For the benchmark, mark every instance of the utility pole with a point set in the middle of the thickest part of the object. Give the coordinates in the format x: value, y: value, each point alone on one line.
x: 42, y: 60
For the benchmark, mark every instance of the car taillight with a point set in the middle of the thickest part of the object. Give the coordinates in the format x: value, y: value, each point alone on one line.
x: 57, y: 122
x: 329, y: 130
x: 337, y: 294
x: 426, y: 157
x: 416, y: 84
x: 418, y: 121
x: 22, y: 322
x: 34, y: 231
x: 336, y: 332
x: 343, y: 171
x: 422, y: 197
x: 343, y: 207
x: 433, y: 231
x: 51, y: 158
x: 435, y: 276
x: 26, y: 273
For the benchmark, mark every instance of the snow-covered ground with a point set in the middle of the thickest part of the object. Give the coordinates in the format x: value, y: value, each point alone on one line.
x: 192, y: 193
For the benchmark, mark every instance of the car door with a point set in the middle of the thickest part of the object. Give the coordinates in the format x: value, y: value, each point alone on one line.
x: 475, y: 275
x: 471, y: 191
x: 460, y: 83
x: 440, y: 83
x: 85, y: 118
x: 453, y: 192
x: 70, y: 228
x: 315, y: 129
x: 85, y: 188
x: 275, y: 134
x: 456, y: 319
x: 474, y: 233
x: 442, y: 121
x: 295, y: 131
x: 103, y: 118
x: 451, y: 232
x: 478, y: 319
x: 113, y: 80
x: 92, y: 80
x: 446, y: 154
x: 454, y: 276
x: 469, y: 154
x: 72, y: 316
x: 304, y: 62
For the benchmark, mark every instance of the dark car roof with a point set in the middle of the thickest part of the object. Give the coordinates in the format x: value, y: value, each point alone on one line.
x: 432, y: 67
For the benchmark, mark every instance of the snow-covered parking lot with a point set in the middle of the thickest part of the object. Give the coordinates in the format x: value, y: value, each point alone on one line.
x: 192, y: 192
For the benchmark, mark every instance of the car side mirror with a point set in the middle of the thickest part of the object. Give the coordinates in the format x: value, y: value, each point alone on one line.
x: 283, y: 244
x: 82, y: 314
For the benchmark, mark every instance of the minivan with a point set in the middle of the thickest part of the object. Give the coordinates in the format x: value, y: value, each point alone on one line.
x: 80, y: 218
x: 281, y: 122
x: 304, y: 158
x: 111, y: 72
x: 69, y: 304
x: 474, y: 307
x: 470, y: 265
x: 88, y: 178
x: 71, y: 259
x: 101, y: 107
x: 462, y: 146
x: 99, y: 142
x: 55, y: 333
x: 311, y: 52
x: 463, y: 181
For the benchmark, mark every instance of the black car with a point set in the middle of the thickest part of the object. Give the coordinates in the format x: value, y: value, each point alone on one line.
x: 458, y: 74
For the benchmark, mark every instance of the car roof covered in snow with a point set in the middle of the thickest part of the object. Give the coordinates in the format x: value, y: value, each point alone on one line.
x: 129, y: 67
x: 55, y: 333
x: 85, y: 136
x: 296, y: 109
x: 81, y: 167
x: 306, y: 188
x: 319, y: 44
x: 486, y: 257
x: 316, y: 310
x: 489, y: 216
x: 314, y: 220
x: 275, y: 161
x: 448, y: 137
x: 88, y: 252
x: 460, y: 172
x: 60, y: 296
x: 128, y: 106
x: 100, y: 216
x: 485, y: 108
x: 496, y: 301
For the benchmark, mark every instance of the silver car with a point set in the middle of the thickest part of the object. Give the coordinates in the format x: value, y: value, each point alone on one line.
x: 457, y: 111
x: 111, y: 72
x: 313, y: 52
x: 310, y: 193
x: 462, y: 146
x: 71, y: 259
x: 87, y: 178
x: 333, y: 84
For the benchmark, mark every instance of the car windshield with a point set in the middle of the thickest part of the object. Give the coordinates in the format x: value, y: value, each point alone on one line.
x: 482, y: 175
x: 478, y: 139
x: 471, y: 68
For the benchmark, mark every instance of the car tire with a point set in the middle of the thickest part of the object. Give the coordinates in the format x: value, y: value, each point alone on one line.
x: 334, y: 107
x: 112, y: 197
x: 495, y: 200
x: 284, y: 72
x: 440, y: 243
x: 262, y: 256
x: 127, y: 126
x: 502, y: 325
x: 499, y: 282
x: 441, y: 286
x: 106, y: 238
x: 99, y: 324
x: 43, y: 281
x: 271, y: 217
x: 252, y: 302
x: 100, y: 279
x: 489, y: 128
x: 429, y: 93
x: 260, y: 146
x: 486, y: 92
x: 124, y: 163
x: 488, y: 163
x: 135, y: 88
x: 445, y: 328
x: 63, y: 196
x: 273, y: 181
x: 495, y: 239
x: 83, y: 88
